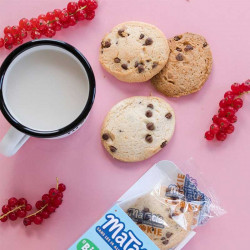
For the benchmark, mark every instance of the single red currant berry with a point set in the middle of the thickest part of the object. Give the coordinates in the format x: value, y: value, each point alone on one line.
x: 61, y: 187
x: 7, y: 30
x: 34, y: 21
x: 247, y: 85
x: 12, y: 216
x: 92, y: 4
x: 51, y: 209
x: 53, y: 192
x: 22, y: 22
x: 65, y: 24
x: 29, y: 26
x: 58, y: 26
x: 21, y: 213
x: 8, y: 39
x: 216, y: 119
x: 64, y: 16
x: 8, y: 46
x: 90, y: 15
x: 72, y: 7
x: 41, y: 24
x: 223, y: 123
x: 38, y: 220
x: 45, y: 215
x: 27, y: 221
x: 60, y: 195
x: 72, y: 21
x: 39, y: 204
x: 50, y: 16
x: 15, y: 31
x: 221, y: 136
x: 229, y: 99
x: 221, y: 112
x: 5, y: 209
x: 42, y: 16
x: 223, y: 103
x: 23, y: 33
x: 51, y: 26
x: 28, y: 207
x: 5, y: 218
x: 12, y: 202
x: 35, y: 34
x: 45, y: 199
x: 230, y: 111
x: 57, y: 202
x: 214, y: 128
x: 238, y: 103
x: 82, y: 3
x: 1, y: 42
x: 80, y: 15
x: 229, y: 93
x: 50, y: 33
x: 232, y: 119
x: 57, y: 12
x: 230, y: 129
x: 236, y: 88
x: 209, y: 136
x: 22, y: 201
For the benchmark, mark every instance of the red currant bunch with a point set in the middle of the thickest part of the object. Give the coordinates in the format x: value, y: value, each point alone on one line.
x: 46, y: 206
x: 228, y: 107
x: 16, y: 208
x: 47, y: 25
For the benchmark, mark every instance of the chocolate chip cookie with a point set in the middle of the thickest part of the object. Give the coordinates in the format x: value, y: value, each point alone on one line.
x: 165, y: 221
x: 134, y: 51
x: 137, y: 128
x: 188, y: 66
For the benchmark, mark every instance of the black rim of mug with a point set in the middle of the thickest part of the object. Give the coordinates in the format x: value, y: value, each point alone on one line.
x: 79, y: 120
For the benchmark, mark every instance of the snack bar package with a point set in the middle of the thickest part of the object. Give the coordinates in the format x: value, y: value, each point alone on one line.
x: 160, y: 211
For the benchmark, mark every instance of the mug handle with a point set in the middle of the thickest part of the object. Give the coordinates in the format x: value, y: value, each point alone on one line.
x: 12, y: 142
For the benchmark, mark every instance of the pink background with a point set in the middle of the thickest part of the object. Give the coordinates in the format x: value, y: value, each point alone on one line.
x: 93, y: 179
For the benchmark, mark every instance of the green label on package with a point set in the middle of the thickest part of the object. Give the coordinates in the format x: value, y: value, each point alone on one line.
x: 86, y: 244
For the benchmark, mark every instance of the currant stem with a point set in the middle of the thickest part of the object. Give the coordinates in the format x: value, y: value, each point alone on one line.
x: 57, y: 183
x: 37, y: 211
x: 13, y: 210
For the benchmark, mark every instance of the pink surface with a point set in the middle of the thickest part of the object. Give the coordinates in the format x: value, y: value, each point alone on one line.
x: 94, y: 180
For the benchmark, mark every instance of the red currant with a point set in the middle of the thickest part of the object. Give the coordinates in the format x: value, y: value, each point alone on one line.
x: 38, y: 220
x: 8, y: 46
x: 236, y: 88
x: 5, y: 209
x: 247, y: 85
x: 90, y: 15
x: 223, y: 103
x: 15, y: 31
x: 53, y: 192
x: 35, y: 34
x: 50, y: 33
x: 45, y: 199
x: 57, y: 12
x: 221, y: 112
x: 22, y: 22
x: 72, y: 21
x: 27, y: 221
x: 92, y: 4
x: 64, y: 16
x: 28, y: 207
x: 229, y: 93
x: 230, y: 129
x: 221, y: 136
x: 45, y: 215
x: 51, y: 209
x: 82, y: 3
x: 238, y: 103
x: 21, y: 213
x: 42, y: 16
x: 23, y: 33
x: 1, y: 42
x: 72, y: 7
x: 50, y: 16
x: 5, y: 218
x: 12, y: 202
x: 41, y: 24
x: 34, y: 21
x: 209, y: 135
x: 22, y: 201
x: 29, y: 26
x: 57, y: 202
x: 60, y: 195
x: 80, y: 15
x: 65, y: 24
x: 58, y: 26
x: 8, y: 39
x: 232, y: 119
x: 230, y: 111
x: 39, y: 204
x: 216, y: 119
x: 12, y: 216
x: 7, y: 30
x: 214, y: 128
x: 61, y: 187
x: 229, y: 99
x: 223, y: 123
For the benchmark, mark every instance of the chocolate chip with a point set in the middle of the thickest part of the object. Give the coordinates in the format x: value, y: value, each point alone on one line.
x: 150, y: 106
x: 145, y: 209
x: 182, y: 209
x: 168, y: 115
x: 140, y: 68
x: 168, y: 234
x: 179, y: 49
x: 120, y: 33
x: 150, y: 126
x: 149, y: 114
x: 179, y: 57
x: 205, y: 44
x: 112, y: 149
x: 163, y: 238
x: 117, y: 60
x: 105, y: 137
x: 164, y: 144
x: 189, y: 47
x: 106, y: 44
x: 165, y: 242
x: 141, y: 36
x: 155, y: 64
x: 136, y: 64
x: 177, y: 38
x: 153, y: 229
x: 148, y: 41
x: 124, y: 66
x: 149, y: 60
x: 149, y: 138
